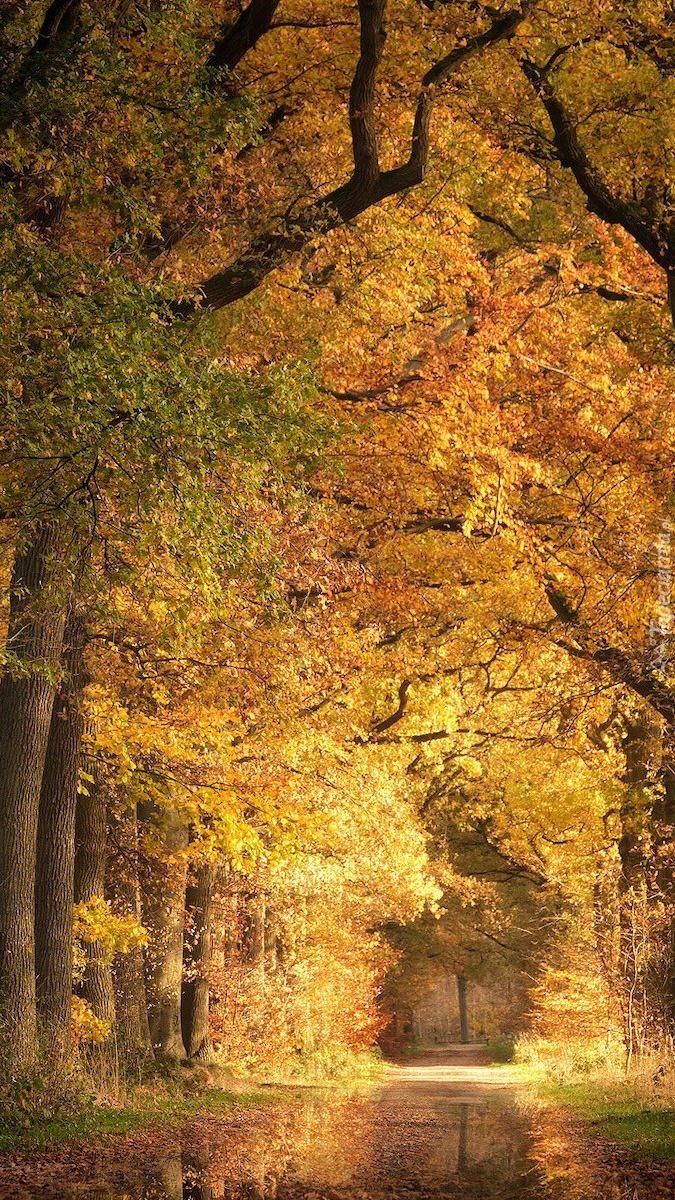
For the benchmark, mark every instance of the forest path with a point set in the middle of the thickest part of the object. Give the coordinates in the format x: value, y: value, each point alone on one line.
x: 444, y: 1125
x: 451, y: 1064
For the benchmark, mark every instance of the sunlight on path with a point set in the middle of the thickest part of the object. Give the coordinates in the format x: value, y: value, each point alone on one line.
x: 453, y: 1064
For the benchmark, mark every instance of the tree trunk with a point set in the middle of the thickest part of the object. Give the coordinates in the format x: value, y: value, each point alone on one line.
x: 26, y: 700
x: 272, y: 940
x: 169, y: 1176
x: 198, y: 958
x: 164, y: 913
x: 54, y: 888
x: 131, y: 1001
x: 463, y: 1141
x: 255, y: 949
x: 641, y: 749
x: 196, y: 1181
x: 91, y: 829
x: 463, y: 1012
x: 664, y: 842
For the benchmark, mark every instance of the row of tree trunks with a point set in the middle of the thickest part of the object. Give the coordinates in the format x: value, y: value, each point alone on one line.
x: 54, y: 846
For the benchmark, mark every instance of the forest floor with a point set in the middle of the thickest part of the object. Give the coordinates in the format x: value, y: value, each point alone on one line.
x: 443, y: 1125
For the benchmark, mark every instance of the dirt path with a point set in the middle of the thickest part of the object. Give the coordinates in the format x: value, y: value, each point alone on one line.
x: 443, y: 1126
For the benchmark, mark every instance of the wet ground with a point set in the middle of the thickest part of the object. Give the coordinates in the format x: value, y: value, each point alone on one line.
x: 445, y: 1126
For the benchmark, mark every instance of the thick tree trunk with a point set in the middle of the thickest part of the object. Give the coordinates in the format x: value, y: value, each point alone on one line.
x: 91, y: 829
x: 26, y: 700
x: 198, y: 959
x: 169, y: 1177
x: 463, y: 1011
x: 196, y: 1182
x: 164, y: 914
x: 129, y: 969
x: 54, y: 887
x: 641, y: 751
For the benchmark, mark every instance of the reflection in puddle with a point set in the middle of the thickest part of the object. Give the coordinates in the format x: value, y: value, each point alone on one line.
x: 416, y: 1138
x: 399, y: 1143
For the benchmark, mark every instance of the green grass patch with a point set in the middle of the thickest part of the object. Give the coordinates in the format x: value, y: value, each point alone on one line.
x: 101, y: 1121
x: 502, y: 1050
x: 618, y: 1114
x: 39, y: 1111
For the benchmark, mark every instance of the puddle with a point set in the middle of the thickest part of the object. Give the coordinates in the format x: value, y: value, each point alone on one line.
x: 442, y: 1128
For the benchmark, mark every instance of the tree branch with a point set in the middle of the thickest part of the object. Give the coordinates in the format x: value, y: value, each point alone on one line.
x: 236, y: 41
x: 368, y: 185
x: 400, y: 712
x: 57, y: 23
x: 58, y: 10
x: 599, y: 199
x: 616, y: 662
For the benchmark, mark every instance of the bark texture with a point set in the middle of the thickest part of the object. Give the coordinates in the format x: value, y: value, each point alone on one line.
x: 54, y: 889
x: 463, y: 1009
x: 35, y: 639
x: 197, y: 961
x: 164, y: 912
x: 91, y: 828
x: 236, y: 41
x: 131, y: 1000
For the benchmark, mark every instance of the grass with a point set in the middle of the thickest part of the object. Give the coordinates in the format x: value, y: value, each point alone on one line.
x: 143, y: 1110
x: 620, y: 1115
x: 634, y: 1110
x: 328, y: 1066
x: 502, y: 1050
x: 50, y: 1107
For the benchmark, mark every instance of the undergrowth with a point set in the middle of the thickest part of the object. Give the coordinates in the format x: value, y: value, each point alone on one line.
x: 95, y: 1094
x: 57, y: 1098
x: 633, y: 1106
x: 328, y: 1065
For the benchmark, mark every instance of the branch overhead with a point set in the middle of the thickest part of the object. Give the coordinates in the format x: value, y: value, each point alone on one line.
x: 655, y: 239
x: 236, y: 40
x: 367, y: 185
